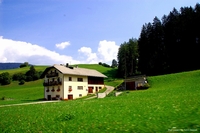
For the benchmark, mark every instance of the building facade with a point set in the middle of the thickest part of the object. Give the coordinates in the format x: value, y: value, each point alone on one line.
x: 63, y: 82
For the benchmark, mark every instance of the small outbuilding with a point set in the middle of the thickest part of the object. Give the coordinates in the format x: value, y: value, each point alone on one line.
x: 136, y: 82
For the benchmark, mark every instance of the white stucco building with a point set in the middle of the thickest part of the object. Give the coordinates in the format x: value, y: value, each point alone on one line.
x: 64, y: 82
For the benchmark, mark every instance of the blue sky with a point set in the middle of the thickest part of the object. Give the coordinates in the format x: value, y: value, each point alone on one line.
x: 74, y: 31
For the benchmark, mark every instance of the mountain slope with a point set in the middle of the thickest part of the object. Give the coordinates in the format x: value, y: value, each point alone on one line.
x: 4, y: 66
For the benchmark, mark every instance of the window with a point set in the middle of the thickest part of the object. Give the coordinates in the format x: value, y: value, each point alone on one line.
x: 47, y: 90
x: 70, y: 78
x: 100, y: 88
x: 80, y: 79
x: 80, y: 95
x: 70, y: 88
x: 80, y: 87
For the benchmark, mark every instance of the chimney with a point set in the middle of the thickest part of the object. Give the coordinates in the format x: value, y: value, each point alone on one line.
x: 67, y: 65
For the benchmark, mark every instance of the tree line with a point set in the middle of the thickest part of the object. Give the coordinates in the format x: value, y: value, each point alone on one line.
x: 30, y: 75
x: 113, y: 65
x: 128, y: 58
x: 168, y: 45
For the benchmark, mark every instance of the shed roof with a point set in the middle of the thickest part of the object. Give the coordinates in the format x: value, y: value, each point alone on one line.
x: 75, y: 71
x: 135, y: 78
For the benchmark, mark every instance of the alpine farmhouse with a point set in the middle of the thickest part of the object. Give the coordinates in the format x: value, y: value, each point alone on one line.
x: 66, y: 82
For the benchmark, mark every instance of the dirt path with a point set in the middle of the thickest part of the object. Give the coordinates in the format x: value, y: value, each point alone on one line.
x: 91, y: 97
x: 27, y: 103
x: 108, y: 90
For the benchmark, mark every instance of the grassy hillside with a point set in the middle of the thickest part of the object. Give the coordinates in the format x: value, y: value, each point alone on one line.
x: 15, y: 93
x: 171, y: 104
x: 23, y: 70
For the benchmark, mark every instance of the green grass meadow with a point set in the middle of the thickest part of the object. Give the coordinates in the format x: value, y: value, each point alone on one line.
x: 15, y: 93
x: 171, y: 104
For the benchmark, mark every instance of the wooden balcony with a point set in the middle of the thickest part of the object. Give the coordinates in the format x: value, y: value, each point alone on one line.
x: 52, y: 83
x: 53, y: 74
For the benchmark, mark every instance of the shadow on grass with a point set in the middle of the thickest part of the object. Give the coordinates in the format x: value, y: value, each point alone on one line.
x: 34, y: 100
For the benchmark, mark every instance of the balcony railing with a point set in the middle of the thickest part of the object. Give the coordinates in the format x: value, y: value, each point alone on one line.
x: 52, y: 83
x: 53, y: 74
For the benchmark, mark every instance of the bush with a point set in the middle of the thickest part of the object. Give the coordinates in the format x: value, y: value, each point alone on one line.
x: 111, y: 94
x: 25, y: 64
x: 5, y: 78
x: 146, y: 86
x: 19, y: 76
x: 105, y: 65
x: 29, y: 78
x: 36, y: 76
x: 21, y: 82
x: 3, y: 98
x: 40, y: 73
x: 32, y: 74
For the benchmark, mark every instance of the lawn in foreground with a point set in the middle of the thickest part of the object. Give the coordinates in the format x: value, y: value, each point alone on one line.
x: 172, y: 102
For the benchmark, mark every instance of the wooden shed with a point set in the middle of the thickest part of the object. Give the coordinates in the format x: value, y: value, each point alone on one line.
x: 135, y: 82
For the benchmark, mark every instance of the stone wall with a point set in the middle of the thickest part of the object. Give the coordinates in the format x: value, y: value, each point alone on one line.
x: 101, y: 95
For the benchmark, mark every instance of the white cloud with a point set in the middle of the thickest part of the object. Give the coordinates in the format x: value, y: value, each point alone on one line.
x: 18, y: 51
x: 62, y: 45
x: 91, y: 57
x: 106, y: 52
